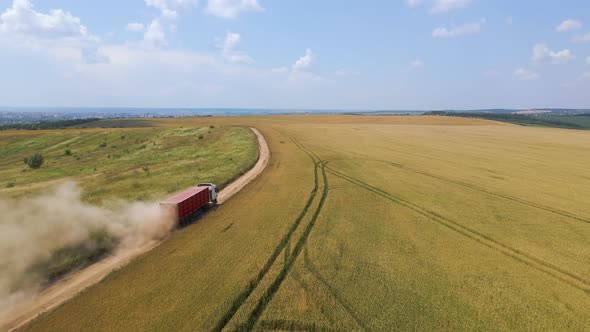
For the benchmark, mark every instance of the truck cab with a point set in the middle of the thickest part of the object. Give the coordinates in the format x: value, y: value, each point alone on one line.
x: 212, y: 192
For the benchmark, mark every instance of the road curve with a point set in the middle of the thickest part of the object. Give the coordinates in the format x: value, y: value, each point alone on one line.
x: 72, y: 285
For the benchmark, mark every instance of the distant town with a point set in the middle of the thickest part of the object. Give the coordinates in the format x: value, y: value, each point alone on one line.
x: 24, y: 115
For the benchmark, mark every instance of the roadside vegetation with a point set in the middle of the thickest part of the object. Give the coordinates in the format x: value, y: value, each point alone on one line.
x: 580, y: 121
x: 376, y: 224
x: 113, y: 165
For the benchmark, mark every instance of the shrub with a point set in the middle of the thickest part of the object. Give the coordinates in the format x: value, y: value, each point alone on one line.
x: 201, y: 136
x: 103, y: 145
x: 211, y: 126
x: 10, y: 185
x: 35, y: 160
x: 146, y: 169
x: 68, y: 152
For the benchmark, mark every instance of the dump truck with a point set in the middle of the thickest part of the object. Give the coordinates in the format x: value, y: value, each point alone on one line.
x: 185, y: 205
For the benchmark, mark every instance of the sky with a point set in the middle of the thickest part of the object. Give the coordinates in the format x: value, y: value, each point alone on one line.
x: 296, y: 54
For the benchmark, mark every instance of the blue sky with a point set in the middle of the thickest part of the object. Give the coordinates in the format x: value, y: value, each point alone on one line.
x: 390, y: 54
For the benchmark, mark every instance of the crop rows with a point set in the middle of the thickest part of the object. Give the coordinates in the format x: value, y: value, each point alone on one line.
x: 557, y: 272
x: 484, y: 190
x: 290, y: 257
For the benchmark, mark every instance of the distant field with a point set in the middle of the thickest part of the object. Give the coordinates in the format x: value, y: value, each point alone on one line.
x: 132, y: 164
x: 373, y: 223
x: 580, y: 122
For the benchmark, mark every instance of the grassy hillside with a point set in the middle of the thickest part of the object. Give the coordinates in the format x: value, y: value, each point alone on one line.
x: 373, y: 223
x: 112, y: 164
x: 130, y: 164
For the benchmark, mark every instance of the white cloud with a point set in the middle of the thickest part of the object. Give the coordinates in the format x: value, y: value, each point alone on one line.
x: 135, y: 27
x: 582, y: 39
x: 169, y: 8
x: 588, y: 61
x: 413, y: 3
x: 416, y: 64
x: 230, y: 51
x: 231, y: 8
x: 57, y: 33
x: 569, y: 25
x: 154, y: 34
x: 304, y: 61
x: 525, y: 74
x: 443, y: 6
x: 280, y: 70
x: 22, y: 19
x: 542, y: 53
x: 467, y: 29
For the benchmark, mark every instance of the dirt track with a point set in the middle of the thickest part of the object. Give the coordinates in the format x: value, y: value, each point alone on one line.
x: 70, y: 286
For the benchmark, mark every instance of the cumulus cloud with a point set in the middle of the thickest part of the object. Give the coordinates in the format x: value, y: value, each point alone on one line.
x: 542, y: 53
x: 135, y: 27
x: 304, y: 61
x: 467, y: 29
x: 154, y: 34
x: 169, y: 8
x: 230, y: 51
x: 525, y: 74
x: 231, y: 8
x: 22, y: 19
x: 416, y: 64
x: 280, y: 70
x: 413, y: 3
x: 57, y: 32
x: 582, y: 39
x: 569, y: 25
x: 443, y: 6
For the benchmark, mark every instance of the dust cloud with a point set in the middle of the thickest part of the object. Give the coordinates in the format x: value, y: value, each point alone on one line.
x: 32, y: 229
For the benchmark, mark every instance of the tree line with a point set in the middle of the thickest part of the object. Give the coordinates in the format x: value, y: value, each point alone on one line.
x: 59, y: 124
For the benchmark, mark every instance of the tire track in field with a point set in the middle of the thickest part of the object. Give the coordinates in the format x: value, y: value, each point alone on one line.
x: 311, y: 268
x: 291, y: 325
x: 333, y: 291
x: 274, y: 286
x: 241, y: 298
x: 563, y: 275
x: 560, y: 212
x: 484, y: 190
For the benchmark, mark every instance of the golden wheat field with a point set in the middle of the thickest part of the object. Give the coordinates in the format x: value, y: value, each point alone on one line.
x: 372, y: 224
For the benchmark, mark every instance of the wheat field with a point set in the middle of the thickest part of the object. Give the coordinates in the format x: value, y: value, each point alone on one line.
x: 372, y: 224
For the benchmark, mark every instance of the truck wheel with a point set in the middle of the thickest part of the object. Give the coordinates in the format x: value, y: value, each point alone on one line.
x: 214, y: 202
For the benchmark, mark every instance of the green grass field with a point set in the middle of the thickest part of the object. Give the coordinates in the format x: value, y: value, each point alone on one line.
x: 115, y: 165
x: 375, y: 224
x: 129, y: 164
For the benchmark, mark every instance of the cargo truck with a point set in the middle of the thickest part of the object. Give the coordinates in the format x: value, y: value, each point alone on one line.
x: 184, y: 205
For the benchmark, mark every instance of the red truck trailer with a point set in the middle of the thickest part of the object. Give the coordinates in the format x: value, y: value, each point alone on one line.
x: 183, y: 205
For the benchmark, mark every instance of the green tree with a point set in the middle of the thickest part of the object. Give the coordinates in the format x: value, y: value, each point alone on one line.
x: 35, y: 160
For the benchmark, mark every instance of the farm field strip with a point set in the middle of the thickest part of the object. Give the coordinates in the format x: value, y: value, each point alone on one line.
x: 333, y: 291
x: 290, y: 255
x: 246, y: 292
x: 486, y: 191
x: 271, y: 291
x: 559, y: 273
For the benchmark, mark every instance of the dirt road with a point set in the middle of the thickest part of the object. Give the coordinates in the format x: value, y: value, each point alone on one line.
x: 70, y: 286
